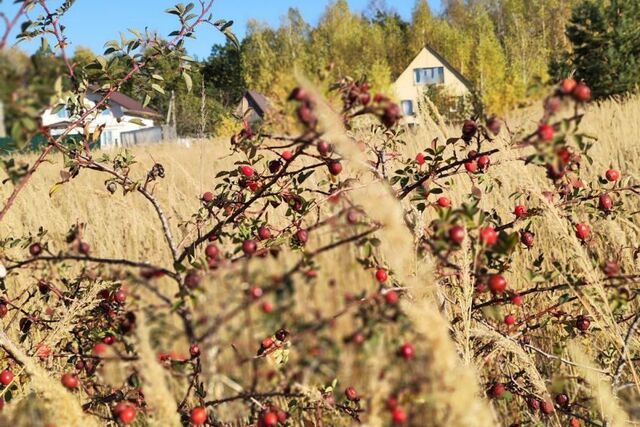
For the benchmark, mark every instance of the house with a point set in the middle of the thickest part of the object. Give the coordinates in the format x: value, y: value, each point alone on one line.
x: 429, y: 69
x: 126, y: 121
x: 253, y: 106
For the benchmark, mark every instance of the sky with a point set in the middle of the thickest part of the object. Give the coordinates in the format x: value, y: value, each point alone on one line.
x: 91, y: 23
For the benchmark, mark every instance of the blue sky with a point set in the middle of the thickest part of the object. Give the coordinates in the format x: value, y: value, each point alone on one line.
x: 92, y: 22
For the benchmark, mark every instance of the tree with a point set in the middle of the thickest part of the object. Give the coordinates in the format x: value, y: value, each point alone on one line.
x: 222, y: 73
x: 606, y: 45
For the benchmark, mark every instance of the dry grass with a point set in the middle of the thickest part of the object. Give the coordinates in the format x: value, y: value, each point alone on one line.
x: 126, y: 227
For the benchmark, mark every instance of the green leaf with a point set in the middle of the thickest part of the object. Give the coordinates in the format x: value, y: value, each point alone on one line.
x: 157, y: 88
x: 187, y: 81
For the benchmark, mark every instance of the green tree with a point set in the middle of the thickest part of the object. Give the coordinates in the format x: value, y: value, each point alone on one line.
x: 605, y: 37
x: 222, y: 73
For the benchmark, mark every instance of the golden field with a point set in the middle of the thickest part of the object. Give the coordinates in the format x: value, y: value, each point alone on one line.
x: 448, y: 336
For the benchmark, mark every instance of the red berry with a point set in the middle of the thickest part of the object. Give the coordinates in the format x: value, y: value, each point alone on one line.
x: 398, y: 416
x: 567, y: 86
x: 6, y: 377
x: 516, y: 299
x: 488, y: 236
x: 323, y: 147
x: 335, y: 167
x: 35, y: 249
x: 407, y: 352
x: 392, y: 403
x: 192, y: 280
x: 249, y: 247
x: 99, y: 348
x: 270, y: 419
x: 84, y: 248
x: 456, y: 234
x: 302, y: 236
x: 527, y: 238
x: 582, y: 93
x: 4, y: 309
x: 109, y: 339
x: 510, y: 320
x: 613, y: 175
x: 381, y: 275
x: 483, y: 162
x: 194, y: 350
x: 267, y: 343
x: 282, y: 416
x: 120, y: 296
x: 298, y: 94
x: 247, y: 171
x: 574, y: 422
x: 255, y: 292
x: 546, y: 407
x: 562, y: 399
x: 286, y: 155
x: 420, y: 159
x: 212, y: 251
x: 264, y: 233
x: 471, y: 166
x: 198, y: 415
x: 533, y: 403
x: 127, y: 414
x: 583, y: 323
x: 582, y: 231
x: 497, y: 390
x: 497, y: 283
x: 43, y: 351
x: 443, y: 202
x: 70, y: 381
x: 545, y: 132
x: 520, y: 211
x: 207, y: 197
x: 351, y: 393
x: 266, y: 307
x: 605, y: 202
x: 391, y: 297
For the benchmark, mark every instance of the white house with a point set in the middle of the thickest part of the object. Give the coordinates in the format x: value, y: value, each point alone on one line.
x: 125, y: 121
x: 428, y: 68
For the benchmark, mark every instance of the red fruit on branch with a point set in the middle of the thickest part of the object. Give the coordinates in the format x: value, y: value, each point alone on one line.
x: 298, y: 94
x: 266, y: 307
x: 192, y: 279
x: 469, y: 129
x: 267, y: 343
x: 391, y: 115
x: 443, y: 202
x: 198, y: 415
x: 605, y: 203
x: 286, y: 155
x: 516, y: 300
x: 84, y: 248
x: 583, y: 323
x: 406, y: 351
x: 612, y: 175
x: 70, y: 381
x: 35, y: 249
x: 494, y: 125
x: 335, y: 167
x: 546, y: 407
x: 545, y: 132
x: 302, y: 236
x: 247, y: 171
x: 381, y: 275
x: 391, y: 297
x: 269, y: 419
x: 582, y: 92
x: 471, y: 166
x: 520, y: 211
x: 488, y: 236
x: 351, y: 394
x: 497, y: 283
x: 6, y: 377
x: 562, y: 400
x: 255, y: 292
x: 567, y: 86
x: 574, y: 422
x: 323, y: 147
x: 127, y: 415
x: 399, y: 416
x: 582, y: 231
x: 420, y: 159
x: 194, y: 350
x: 483, y: 162
x: 510, y: 320
x: 527, y: 238
x: 249, y: 247
x: 120, y: 296
x: 207, y: 197
x: 109, y: 339
x: 497, y: 390
x: 456, y: 234
x: 100, y: 348
x: 212, y: 251
x: 264, y: 233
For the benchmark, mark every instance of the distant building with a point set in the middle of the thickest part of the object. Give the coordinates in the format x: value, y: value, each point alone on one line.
x: 428, y: 68
x: 126, y: 121
x: 253, y: 106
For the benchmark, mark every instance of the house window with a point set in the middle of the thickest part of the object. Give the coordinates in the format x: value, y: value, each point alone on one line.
x: 428, y: 76
x: 407, y: 107
x: 62, y: 113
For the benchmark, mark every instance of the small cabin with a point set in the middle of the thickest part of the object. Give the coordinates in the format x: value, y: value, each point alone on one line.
x: 252, y: 107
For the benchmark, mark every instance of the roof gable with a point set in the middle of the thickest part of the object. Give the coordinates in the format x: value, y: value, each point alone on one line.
x: 416, y: 62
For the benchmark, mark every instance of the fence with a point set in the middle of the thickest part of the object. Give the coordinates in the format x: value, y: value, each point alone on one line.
x: 148, y: 136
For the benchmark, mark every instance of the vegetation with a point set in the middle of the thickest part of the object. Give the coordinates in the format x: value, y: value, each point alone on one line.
x: 330, y: 268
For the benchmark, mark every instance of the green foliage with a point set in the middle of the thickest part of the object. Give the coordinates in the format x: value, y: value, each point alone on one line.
x: 605, y: 37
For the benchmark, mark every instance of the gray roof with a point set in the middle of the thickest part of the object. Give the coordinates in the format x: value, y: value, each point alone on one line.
x: 258, y: 102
